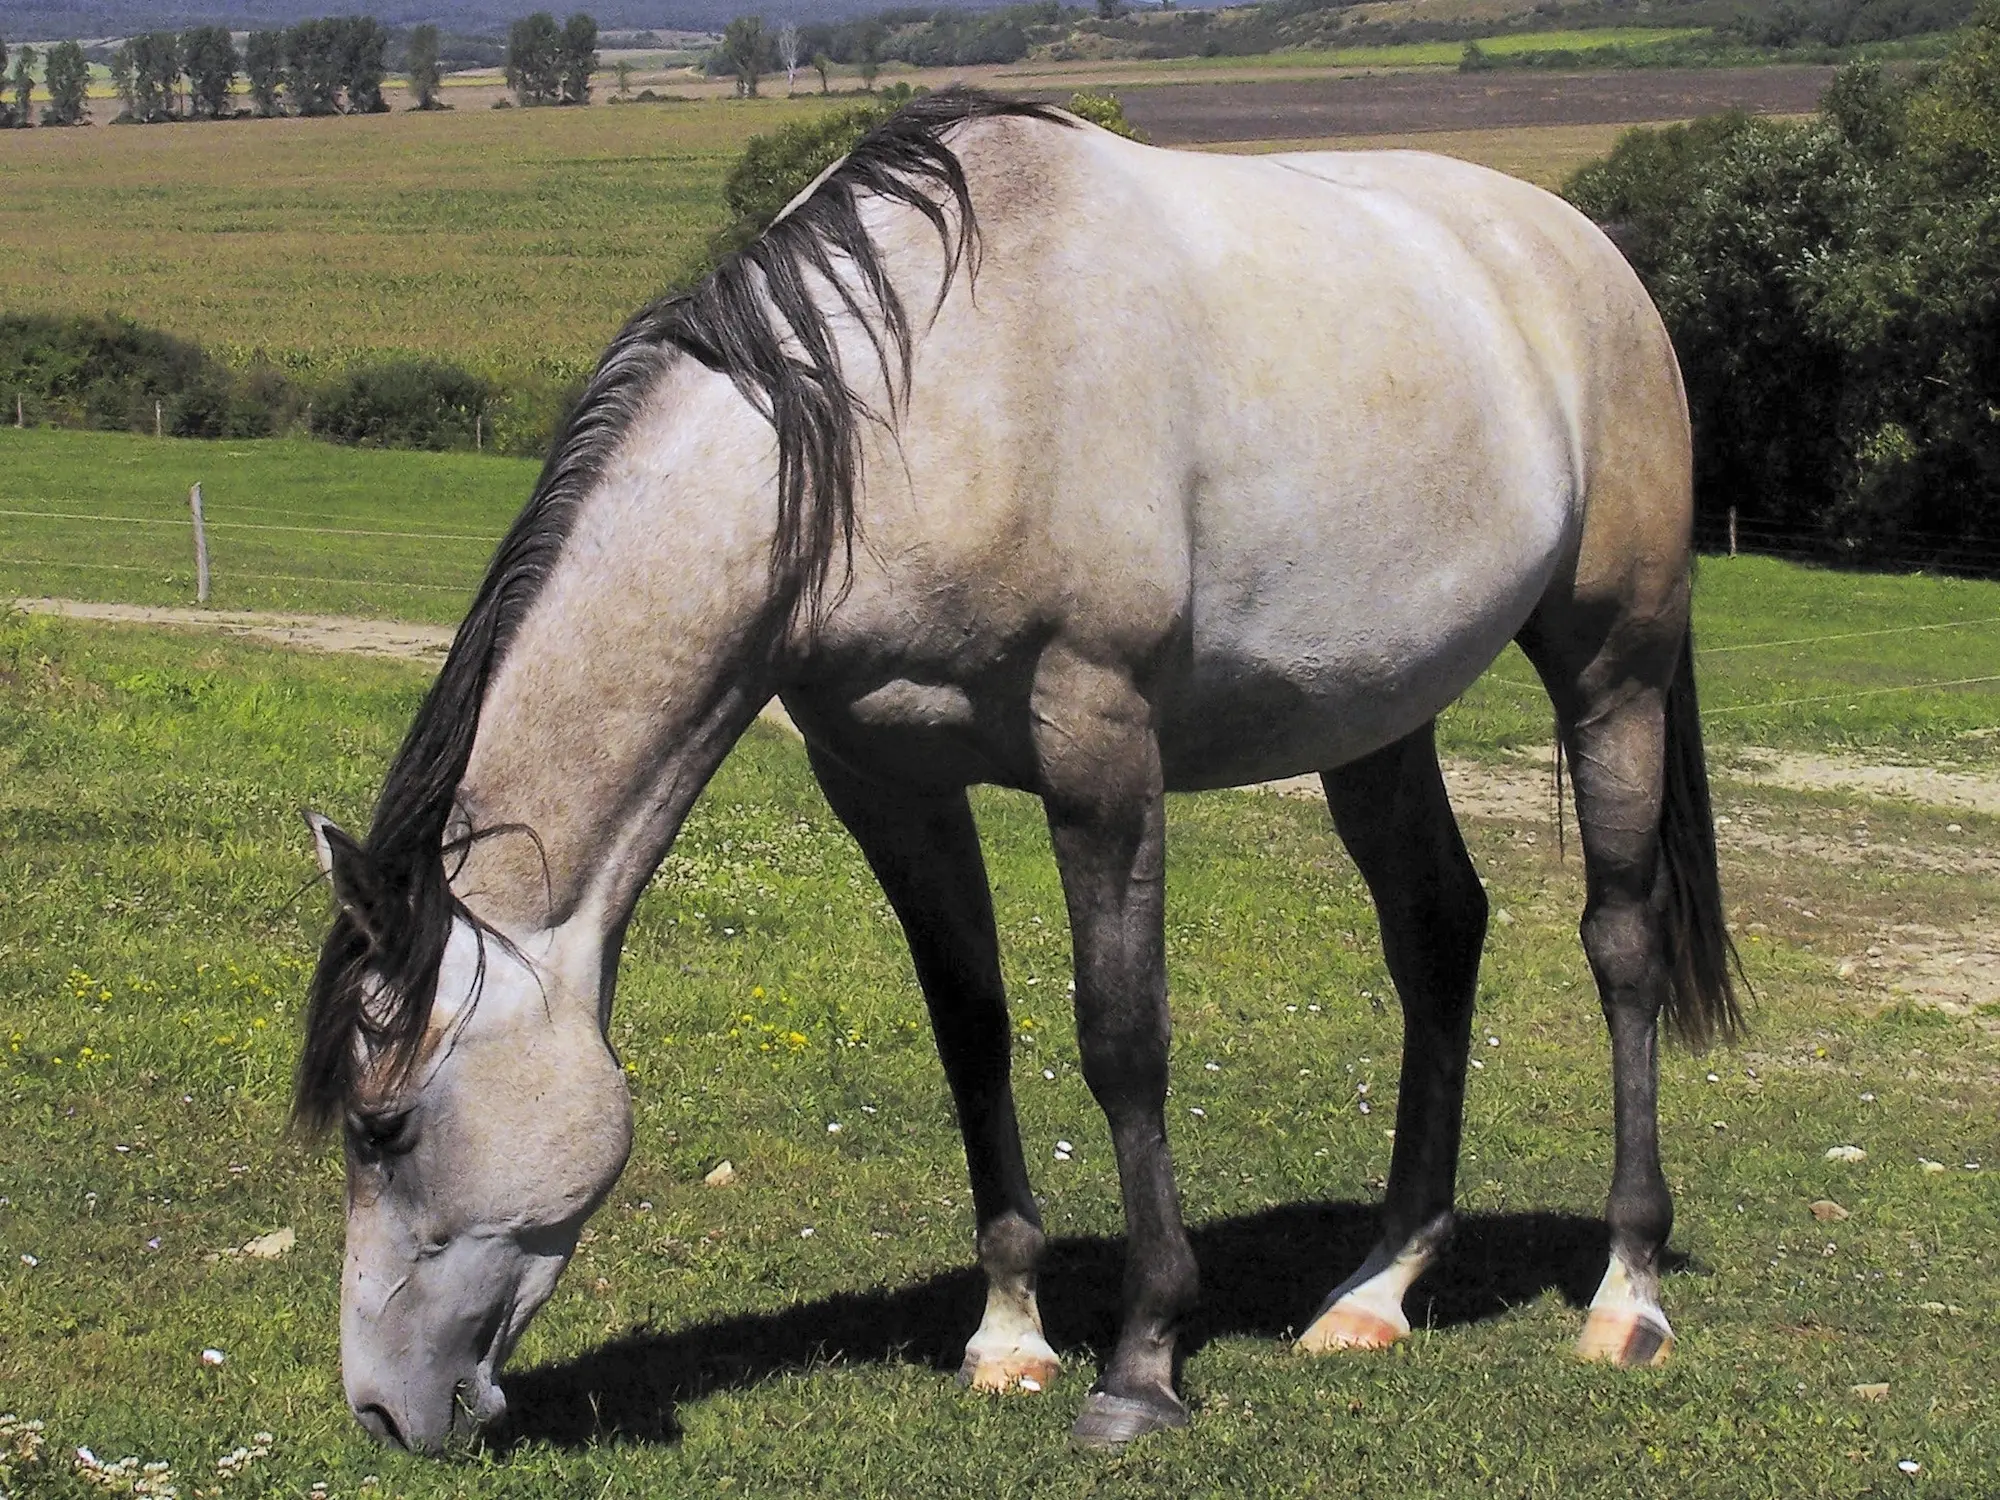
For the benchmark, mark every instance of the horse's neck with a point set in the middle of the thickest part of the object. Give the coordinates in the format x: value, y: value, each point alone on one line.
x: 642, y: 660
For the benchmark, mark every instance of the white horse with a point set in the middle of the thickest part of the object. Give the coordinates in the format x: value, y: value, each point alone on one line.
x: 1186, y: 471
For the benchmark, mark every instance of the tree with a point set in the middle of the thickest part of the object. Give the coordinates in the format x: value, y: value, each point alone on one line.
x: 209, y: 55
x: 624, y: 72
x: 156, y: 75
x: 534, y: 59
x: 312, y: 67
x: 743, y: 44
x: 123, y: 82
x: 1110, y: 10
x: 868, y: 53
x: 821, y: 65
x: 425, y: 75
x: 578, y: 58
x: 788, y: 53
x: 363, y: 48
x: 23, y: 83
x: 67, y: 76
x: 264, y: 65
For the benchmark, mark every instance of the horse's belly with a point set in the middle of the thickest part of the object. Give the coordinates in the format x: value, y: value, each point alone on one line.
x: 1287, y: 672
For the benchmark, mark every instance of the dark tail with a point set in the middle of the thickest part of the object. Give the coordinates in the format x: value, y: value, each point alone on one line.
x: 1702, y: 1006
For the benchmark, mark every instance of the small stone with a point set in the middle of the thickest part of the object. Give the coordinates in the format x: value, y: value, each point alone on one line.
x: 1846, y: 969
x: 1877, y: 1390
x: 1504, y: 917
x: 1828, y: 1212
x: 213, y: 1357
x: 1910, y: 1465
x: 1845, y: 1153
x: 1953, y: 828
x: 1929, y: 1166
x: 271, y: 1246
x: 806, y: 1233
x: 833, y: 1127
x: 1029, y: 1383
x: 720, y: 1175
x: 1064, y: 1146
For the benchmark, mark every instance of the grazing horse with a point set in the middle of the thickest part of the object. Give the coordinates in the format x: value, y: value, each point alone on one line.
x: 1016, y: 452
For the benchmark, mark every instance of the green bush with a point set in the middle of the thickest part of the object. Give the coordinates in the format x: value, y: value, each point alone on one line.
x: 1833, y: 291
x: 403, y: 403
x: 776, y: 168
x: 1105, y: 109
x: 108, y: 372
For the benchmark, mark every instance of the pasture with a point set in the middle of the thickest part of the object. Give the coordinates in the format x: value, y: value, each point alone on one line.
x: 1901, y: 668
x: 795, y: 1329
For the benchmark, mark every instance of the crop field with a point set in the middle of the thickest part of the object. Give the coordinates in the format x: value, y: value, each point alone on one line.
x: 157, y: 923
x: 502, y: 239
x: 518, y: 241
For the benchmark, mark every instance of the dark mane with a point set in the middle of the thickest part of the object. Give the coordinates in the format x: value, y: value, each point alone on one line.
x: 756, y: 320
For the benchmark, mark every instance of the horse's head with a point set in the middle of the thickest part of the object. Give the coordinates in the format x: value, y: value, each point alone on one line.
x: 476, y: 1147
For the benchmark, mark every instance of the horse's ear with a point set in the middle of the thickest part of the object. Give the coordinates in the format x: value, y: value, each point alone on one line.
x: 345, y: 865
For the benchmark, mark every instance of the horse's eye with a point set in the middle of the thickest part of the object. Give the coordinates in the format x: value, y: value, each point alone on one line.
x: 379, y: 1133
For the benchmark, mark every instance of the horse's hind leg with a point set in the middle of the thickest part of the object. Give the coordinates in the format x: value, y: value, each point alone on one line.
x: 925, y: 852
x: 1392, y: 813
x: 1652, y: 927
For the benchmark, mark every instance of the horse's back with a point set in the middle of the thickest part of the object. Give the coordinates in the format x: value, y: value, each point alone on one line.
x: 1309, y: 434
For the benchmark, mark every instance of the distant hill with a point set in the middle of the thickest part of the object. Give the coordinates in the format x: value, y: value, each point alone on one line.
x: 44, y: 20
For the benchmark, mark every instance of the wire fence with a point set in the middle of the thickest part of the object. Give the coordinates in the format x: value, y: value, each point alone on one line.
x: 1752, y: 537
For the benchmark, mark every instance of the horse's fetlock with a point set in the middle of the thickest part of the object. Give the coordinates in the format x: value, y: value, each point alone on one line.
x: 1010, y: 1245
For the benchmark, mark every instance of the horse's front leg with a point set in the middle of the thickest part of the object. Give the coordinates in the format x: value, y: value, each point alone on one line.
x: 925, y: 852
x: 1107, y: 816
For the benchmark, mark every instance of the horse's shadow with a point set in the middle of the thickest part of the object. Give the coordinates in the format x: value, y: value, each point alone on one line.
x: 1262, y: 1274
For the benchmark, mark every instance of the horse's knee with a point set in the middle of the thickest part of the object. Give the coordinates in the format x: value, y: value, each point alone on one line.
x: 1623, y: 942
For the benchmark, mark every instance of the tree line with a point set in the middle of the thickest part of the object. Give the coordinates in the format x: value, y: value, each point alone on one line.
x: 330, y: 65
x: 65, y: 75
x: 1833, y: 290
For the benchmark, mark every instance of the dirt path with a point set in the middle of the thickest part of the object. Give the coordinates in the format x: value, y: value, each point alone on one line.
x: 307, y: 632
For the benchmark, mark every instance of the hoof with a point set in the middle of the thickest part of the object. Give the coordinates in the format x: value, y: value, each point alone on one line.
x: 1022, y: 1370
x: 1626, y: 1337
x: 1346, y: 1326
x: 1109, y: 1422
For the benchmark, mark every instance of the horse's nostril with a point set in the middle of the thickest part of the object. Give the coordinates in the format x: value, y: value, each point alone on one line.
x: 376, y: 1421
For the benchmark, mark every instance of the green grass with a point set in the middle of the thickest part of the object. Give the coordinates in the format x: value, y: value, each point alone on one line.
x: 1867, y: 645
x: 1897, y: 665
x: 292, y: 525
x: 155, y: 931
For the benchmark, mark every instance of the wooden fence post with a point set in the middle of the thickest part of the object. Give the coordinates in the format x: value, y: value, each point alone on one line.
x: 1732, y: 531
x: 156, y: 419
x: 20, y: 412
x: 479, y: 432
x: 200, y: 547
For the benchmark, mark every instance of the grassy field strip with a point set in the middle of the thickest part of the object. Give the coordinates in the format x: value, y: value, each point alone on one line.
x: 60, y: 515
x: 154, y: 945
